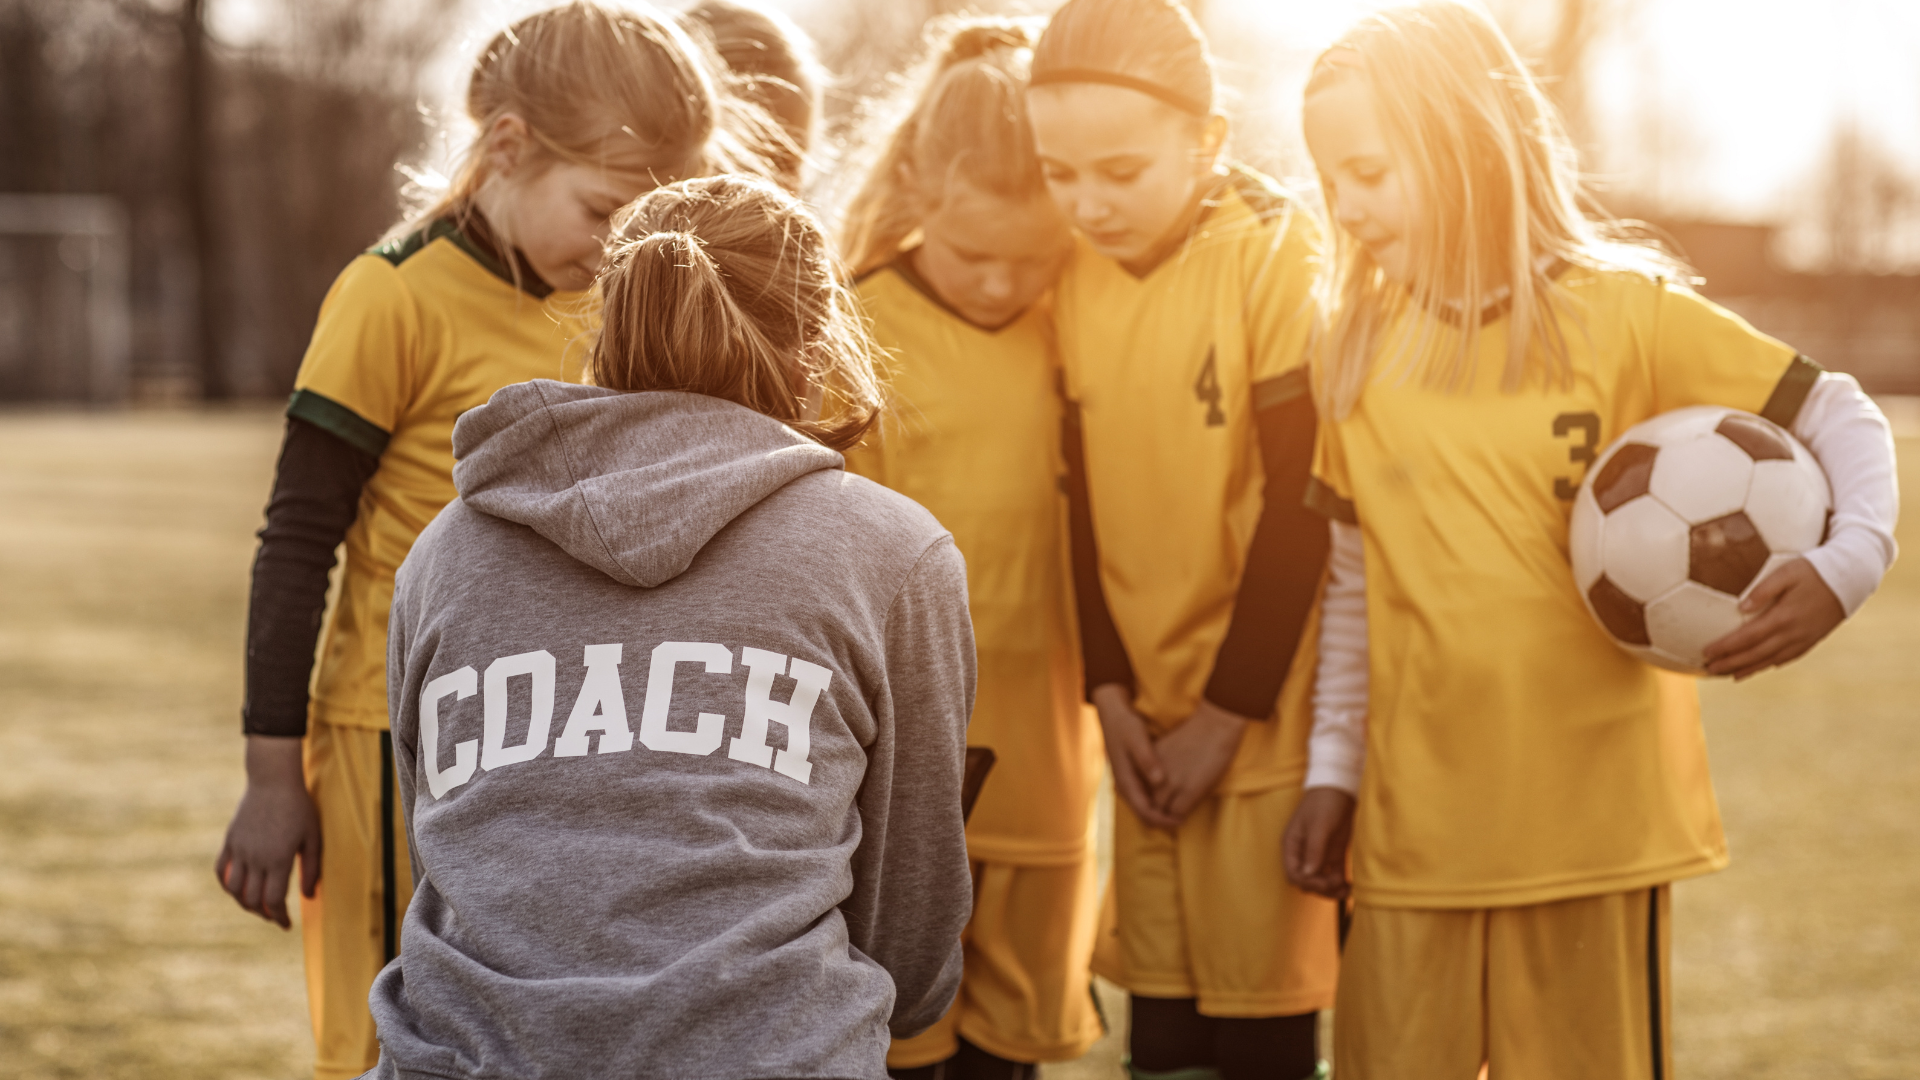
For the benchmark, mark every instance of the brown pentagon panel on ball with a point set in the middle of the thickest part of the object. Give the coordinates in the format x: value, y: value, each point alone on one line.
x: 1760, y: 439
x: 1626, y: 477
x: 1622, y: 615
x: 1726, y: 553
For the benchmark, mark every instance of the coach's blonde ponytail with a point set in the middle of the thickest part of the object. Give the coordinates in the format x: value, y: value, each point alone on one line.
x: 726, y: 286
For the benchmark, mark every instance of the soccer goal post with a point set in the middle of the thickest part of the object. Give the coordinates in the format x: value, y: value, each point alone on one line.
x: 91, y: 233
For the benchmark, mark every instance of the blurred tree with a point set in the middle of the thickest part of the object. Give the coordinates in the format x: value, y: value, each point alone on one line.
x: 251, y: 171
x: 1559, y: 37
x: 871, y: 40
x: 197, y: 197
x: 1866, y: 196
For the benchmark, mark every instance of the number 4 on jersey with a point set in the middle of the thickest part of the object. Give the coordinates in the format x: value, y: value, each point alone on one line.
x: 1207, y: 389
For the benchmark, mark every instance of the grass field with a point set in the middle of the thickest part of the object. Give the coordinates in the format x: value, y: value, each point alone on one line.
x: 124, y: 546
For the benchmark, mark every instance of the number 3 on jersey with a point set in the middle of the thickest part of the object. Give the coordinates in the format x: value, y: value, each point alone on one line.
x: 1207, y: 389
x: 1581, y: 453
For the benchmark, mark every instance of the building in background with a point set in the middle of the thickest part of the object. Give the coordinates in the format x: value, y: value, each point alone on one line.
x: 1863, y: 323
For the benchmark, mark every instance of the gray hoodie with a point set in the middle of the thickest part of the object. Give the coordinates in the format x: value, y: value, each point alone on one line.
x: 679, y: 713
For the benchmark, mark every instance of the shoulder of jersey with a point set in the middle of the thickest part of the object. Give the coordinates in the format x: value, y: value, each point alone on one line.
x: 875, y: 278
x: 886, y: 295
x: 1262, y: 193
x: 401, y: 248
x: 1620, y: 287
x: 416, y: 257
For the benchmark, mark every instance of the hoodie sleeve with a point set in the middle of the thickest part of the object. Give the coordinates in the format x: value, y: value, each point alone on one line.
x: 911, y: 872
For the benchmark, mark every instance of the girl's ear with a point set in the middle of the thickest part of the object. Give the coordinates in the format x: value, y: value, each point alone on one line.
x: 908, y: 178
x: 1213, y: 140
x: 507, y: 143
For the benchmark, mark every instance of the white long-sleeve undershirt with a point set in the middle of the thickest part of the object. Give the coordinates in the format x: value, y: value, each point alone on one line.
x: 1840, y: 425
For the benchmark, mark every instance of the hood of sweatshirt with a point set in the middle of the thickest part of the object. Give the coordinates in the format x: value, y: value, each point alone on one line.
x: 633, y: 485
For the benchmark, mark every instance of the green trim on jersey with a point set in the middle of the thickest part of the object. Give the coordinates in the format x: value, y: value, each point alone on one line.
x: 399, y: 251
x: 1783, y: 405
x: 1277, y: 391
x: 902, y: 265
x: 1192, y: 1072
x: 1322, y: 500
x: 1262, y: 194
x: 336, y: 419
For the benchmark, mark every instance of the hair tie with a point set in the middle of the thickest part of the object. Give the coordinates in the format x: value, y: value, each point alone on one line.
x: 1114, y: 78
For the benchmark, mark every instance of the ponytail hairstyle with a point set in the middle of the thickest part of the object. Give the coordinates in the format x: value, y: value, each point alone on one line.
x: 621, y: 88
x: 1152, y: 46
x: 961, y: 116
x: 727, y: 286
x: 1504, y: 207
x: 769, y: 62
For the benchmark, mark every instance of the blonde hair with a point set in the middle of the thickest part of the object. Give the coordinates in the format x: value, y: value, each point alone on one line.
x: 727, y: 286
x: 1484, y: 147
x: 769, y: 61
x: 964, y: 118
x: 1153, y: 46
x: 617, y: 87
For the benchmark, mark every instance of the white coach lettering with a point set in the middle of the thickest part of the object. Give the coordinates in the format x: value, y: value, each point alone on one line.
x: 795, y: 714
x: 705, y: 739
x: 539, y: 665
x: 601, y: 706
x: 460, y: 684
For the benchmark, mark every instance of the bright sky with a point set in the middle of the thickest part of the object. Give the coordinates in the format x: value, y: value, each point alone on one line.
x: 1742, y: 93
x: 1758, y: 84
x: 1747, y: 91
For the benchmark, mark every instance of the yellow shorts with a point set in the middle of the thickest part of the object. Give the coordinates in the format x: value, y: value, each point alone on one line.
x: 1572, y: 990
x: 1027, y: 994
x: 1206, y: 912
x: 348, y: 929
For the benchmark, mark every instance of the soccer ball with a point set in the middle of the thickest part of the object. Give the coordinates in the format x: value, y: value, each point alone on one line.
x: 1684, y: 514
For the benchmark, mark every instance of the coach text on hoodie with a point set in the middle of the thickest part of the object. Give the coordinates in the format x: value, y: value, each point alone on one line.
x: 679, y: 712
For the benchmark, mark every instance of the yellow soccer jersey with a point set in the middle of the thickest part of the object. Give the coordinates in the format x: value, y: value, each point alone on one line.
x: 974, y: 436
x: 1167, y: 370
x: 410, y: 336
x: 1514, y: 754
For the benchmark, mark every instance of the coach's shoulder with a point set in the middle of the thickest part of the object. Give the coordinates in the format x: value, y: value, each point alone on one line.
x: 883, y: 508
x: 846, y: 516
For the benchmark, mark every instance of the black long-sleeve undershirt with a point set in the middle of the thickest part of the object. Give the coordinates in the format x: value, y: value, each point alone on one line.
x: 1283, y: 566
x: 316, y: 496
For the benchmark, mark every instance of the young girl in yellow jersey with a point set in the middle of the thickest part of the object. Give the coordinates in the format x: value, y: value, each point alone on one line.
x: 580, y: 109
x: 1184, y: 316
x: 955, y: 243
x: 1526, y: 791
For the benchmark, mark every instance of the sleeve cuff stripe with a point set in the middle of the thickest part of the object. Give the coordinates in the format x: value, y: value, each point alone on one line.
x: 336, y: 419
x: 1322, y: 500
x: 1268, y: 393
x: 1783, y: 407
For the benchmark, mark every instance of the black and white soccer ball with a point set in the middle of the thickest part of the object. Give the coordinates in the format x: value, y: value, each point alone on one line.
x: 1681, y: 517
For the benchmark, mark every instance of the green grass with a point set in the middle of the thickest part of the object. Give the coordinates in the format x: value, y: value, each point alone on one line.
x: 124, y: 549
x: 124, y: 545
